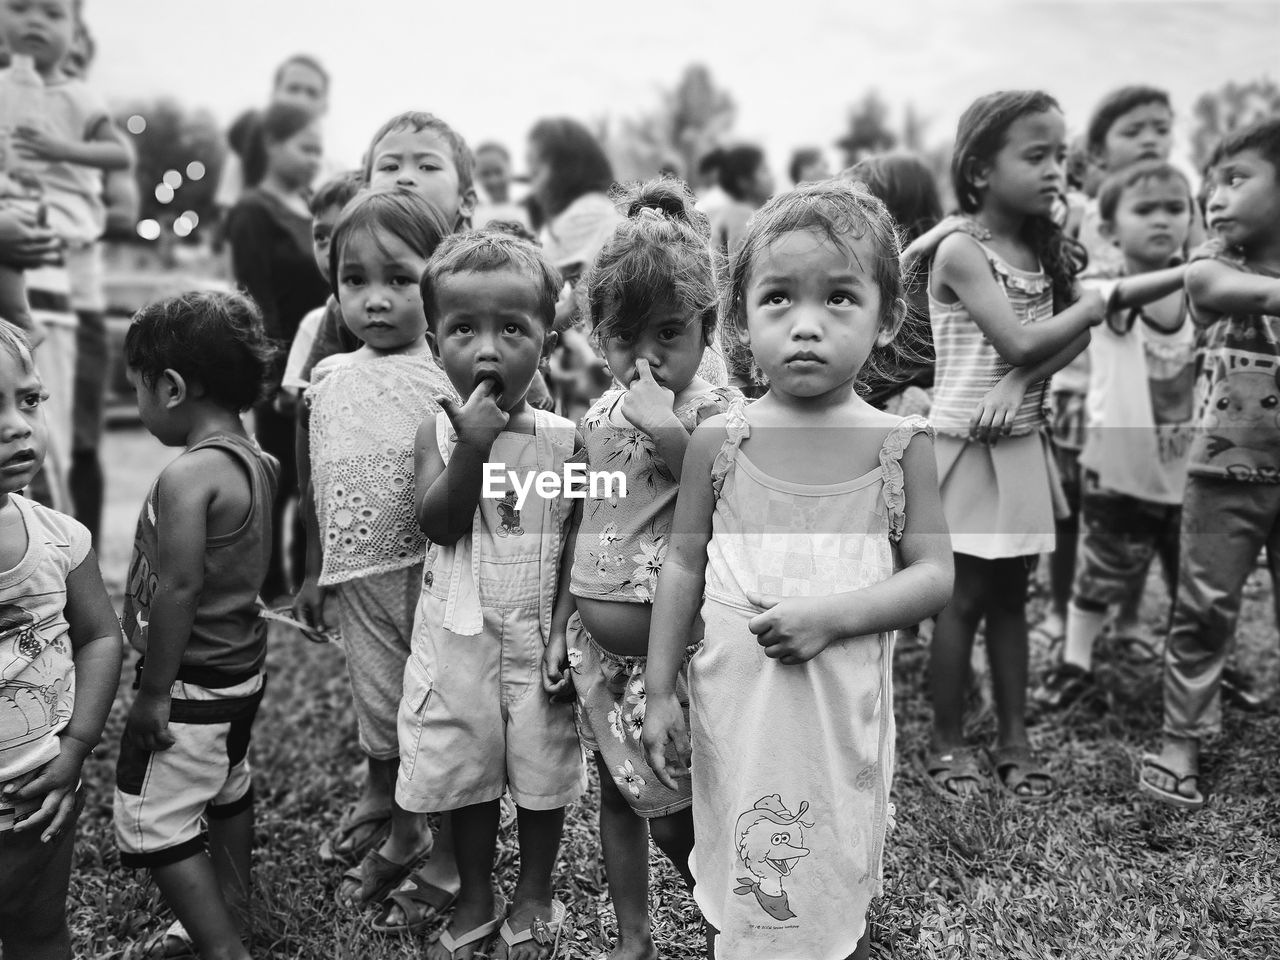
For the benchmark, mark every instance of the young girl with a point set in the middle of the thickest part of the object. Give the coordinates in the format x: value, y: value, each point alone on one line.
x: 652, y: 298
x: 365, y: 543
x: 812, y: 521
x: 993, y: 307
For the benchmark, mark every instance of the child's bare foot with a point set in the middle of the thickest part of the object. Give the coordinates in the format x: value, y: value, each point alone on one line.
x: 469, y: 917
x: 634, y: 948
x: 1173, y: 775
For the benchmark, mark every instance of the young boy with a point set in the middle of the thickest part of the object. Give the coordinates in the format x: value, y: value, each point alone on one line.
x: 493, y: 170
x: 1232, y: 503
x: 1139, y: 415
x: 197, y: 361
x: 60, y: 657
x: 474, y: 720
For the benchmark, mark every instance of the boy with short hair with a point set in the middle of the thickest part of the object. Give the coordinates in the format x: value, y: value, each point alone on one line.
x: 1232, y: 503
x: 197, y: 361
x: 60, y: 657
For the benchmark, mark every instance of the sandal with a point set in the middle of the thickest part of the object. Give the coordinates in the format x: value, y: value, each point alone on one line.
x: 1174, y: 798
x: 421, y: 903
x: 1015, y: 767
x: 376, y: 877
x: 542, y: 932
x: 1134, y: 647
x: 174, y: 943
x: 479, y: 936
x: 940, y: 769
x: 342, y: 845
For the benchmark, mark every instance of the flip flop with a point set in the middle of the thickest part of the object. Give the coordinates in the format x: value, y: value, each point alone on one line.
x: 1173, y: 798
x: 421, y: 903
x: 331, y: 850
x: 480, y: 935
x: 542, y: 932
x: 1014, y: 766
x: 939, y: 769
x: 376, y: 877
x: 174, y: 943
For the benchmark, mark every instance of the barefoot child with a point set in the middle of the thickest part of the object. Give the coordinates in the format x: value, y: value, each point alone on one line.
x: 1232, y: 503
x: 1139, y: 415
x: 474, y: 719
x: 364, y: 545
x: 812, y: 523
x: 993, y: 306
x: 652, y: 297
x: 60, y: 656
x: 197, y: 361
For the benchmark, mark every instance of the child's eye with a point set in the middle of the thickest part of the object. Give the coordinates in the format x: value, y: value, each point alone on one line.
x: 623, y: 338
x: 841, y: 298
x: 33, y: 400
x: 773, y: 299
x: 428, y: 167
x: 513, y: 329
x: 669, y: 334
x: 462, y: 328
x: 403, y: 281
x: 352, y: 280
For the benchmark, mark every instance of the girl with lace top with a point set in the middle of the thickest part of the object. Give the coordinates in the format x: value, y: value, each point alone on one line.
x: 365, y: 547
x: 1006, y: 313
x: 808, y: 529
x: 652, y: 298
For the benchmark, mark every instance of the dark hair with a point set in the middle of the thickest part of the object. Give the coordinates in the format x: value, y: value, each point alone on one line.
x: 302, y: 60
x: 577, y: 162
x: 13, y: 339
x: 658, y: 256
x: 402, y: 213
x: 907, y: 188
x: 1263, y: 136
x: 336, y: 192
x: 416, y: 121
x: 488, y: 251
x: 1114, y: 186
x: 732, y: 166
x: 840, y: 212
x: 980, y: 135
x: 492, y: 146
x: 214, y: 339
x: 801, y: 159
x: 252, y: 131
x: 512, y: 228
x: 1114, y: 106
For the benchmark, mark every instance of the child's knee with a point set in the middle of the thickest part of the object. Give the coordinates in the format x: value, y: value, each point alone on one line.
x: 673, y: 834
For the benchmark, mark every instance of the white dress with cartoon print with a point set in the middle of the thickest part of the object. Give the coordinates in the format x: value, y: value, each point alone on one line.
x: 792, y: 763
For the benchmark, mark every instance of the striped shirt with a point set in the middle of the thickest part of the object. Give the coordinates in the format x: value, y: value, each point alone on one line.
x: 968, y: 365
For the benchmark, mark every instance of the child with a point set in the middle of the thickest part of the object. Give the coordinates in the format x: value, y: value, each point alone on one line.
x: 364, y: 545
x: 197, y: 361
x: 992, y: 307
x: 60, y: 657
x: 813, y: 522
x: 474, y: 719
x: 1139, y: 413
x: 652, y: 296
x: 1232, y: 502
x: 493, y: 170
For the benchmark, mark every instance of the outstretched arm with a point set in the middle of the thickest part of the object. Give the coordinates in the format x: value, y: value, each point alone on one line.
x: 1217, y: 288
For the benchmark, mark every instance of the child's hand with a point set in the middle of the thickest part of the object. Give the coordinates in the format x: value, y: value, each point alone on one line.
x: 56, y: 783
x: 308, y: 605
x: 557, y: 677
x: 926, y: 245
x: 993, y: 417
x: 539, y: 395
x: 647, y: 404
x: 663, y: 725
x: 478, y: 422
x: 35, y: 143
x: 148, y: 724
x: 792, y: 629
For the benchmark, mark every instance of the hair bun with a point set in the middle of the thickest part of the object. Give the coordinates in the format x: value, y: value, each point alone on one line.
x: 656, y: 198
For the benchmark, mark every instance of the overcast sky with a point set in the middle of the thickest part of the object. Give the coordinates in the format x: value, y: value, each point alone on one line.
x: 494, y: 67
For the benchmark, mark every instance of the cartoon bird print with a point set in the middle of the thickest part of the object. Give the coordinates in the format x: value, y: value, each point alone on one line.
x: 509, y: 517
x: 18, y: 627
x: 770, y: 842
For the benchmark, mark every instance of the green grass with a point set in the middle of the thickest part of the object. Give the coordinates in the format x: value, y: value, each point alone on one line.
x: 1101, y: 872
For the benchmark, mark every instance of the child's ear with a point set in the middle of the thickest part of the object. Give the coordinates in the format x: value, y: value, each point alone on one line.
x: 1107, y: 231
x: 549, y: 343
x: 433, y: 345
x: 897, y: 316
x: 174, y: 388
x: 979, y: 174
x: 468, y: 205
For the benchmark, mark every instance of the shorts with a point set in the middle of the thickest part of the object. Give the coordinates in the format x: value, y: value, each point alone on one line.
x: 375, y: 618
x: 611, y: 701
x: 475, y: 721
x: 162, y: 799
x: 1119, y: 536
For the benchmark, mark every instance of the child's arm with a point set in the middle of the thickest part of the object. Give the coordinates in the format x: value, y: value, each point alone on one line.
x: 102, y: 147
x: 309, y: 604
x: 449, y: 495
x: 1217, y: 288
x: 962, y: 267
x: 1143, y: 288
x: 97, y: 651
x: 556, y: 677
x: 994, y: 415
x: 186, y: 490
x: 676, y: 602
x: 796, y: 629
x: 650, y: 407
x: 924, y: 246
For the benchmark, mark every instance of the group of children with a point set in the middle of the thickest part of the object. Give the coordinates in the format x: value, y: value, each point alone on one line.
x: 712, y: 613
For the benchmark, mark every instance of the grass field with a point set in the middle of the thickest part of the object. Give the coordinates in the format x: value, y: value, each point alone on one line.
x: 1100, y: 872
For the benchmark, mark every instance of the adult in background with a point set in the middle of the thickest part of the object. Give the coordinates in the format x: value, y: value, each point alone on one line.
x: 807, y: 166
x: 269, y: 230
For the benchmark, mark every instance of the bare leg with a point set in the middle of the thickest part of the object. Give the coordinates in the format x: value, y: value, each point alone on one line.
x: 192, y: 890
x: 475, y: 835
x: 624, y: 837
x: 230, y: 848
x: 540, y: 832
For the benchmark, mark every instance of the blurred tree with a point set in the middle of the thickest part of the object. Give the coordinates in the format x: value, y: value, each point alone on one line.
x: 174, y: 138
x: 869, y: 130
x: 1217, y: 113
